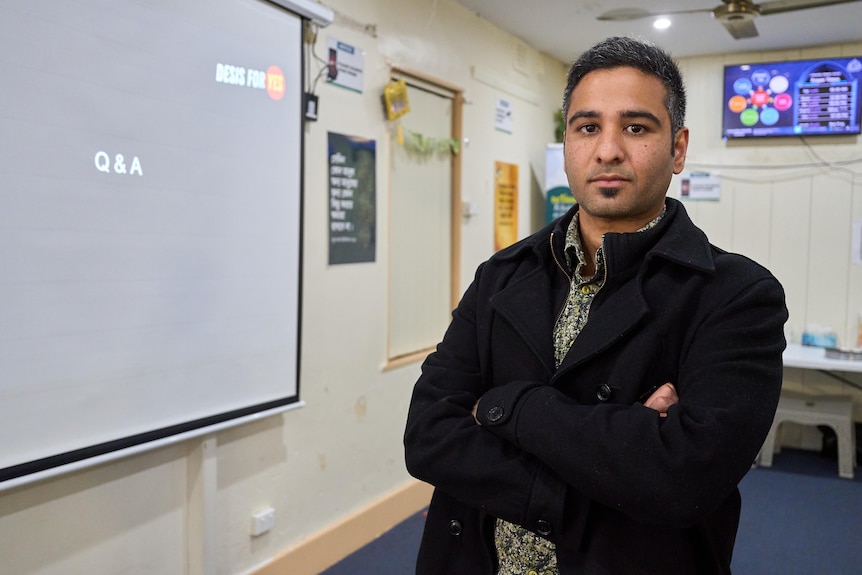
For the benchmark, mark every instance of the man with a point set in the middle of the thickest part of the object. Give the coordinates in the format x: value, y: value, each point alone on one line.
x: 606, y: 382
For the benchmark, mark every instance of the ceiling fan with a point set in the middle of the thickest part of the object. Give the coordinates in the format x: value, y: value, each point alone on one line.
x: 737, y: 16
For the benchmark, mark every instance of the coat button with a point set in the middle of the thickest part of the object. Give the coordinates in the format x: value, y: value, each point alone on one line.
x: 495, y: 414
x: 455, y: 527
x: 604, y: 392
x: 543, y: 527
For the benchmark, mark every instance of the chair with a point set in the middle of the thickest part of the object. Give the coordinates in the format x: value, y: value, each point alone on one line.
x: 836, y: 411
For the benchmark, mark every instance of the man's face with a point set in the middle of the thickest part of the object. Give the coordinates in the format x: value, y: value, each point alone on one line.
x: 618, y: 148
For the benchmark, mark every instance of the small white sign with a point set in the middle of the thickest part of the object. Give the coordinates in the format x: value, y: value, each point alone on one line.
x: 345, y: 65
x: 700, y: 186
x: 503, y: 116
x: 555, y: 168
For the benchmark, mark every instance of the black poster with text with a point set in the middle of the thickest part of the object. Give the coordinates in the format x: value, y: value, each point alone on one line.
x: 352, y: 203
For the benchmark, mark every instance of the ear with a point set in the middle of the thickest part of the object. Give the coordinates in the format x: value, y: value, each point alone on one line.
x: 680, y: 147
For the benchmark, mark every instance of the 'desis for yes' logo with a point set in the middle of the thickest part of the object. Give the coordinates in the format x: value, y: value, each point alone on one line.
x: 271, y: 80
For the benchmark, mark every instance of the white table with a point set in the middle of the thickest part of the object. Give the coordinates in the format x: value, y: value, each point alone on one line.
x: 809, y: 357
x: 835, y: 411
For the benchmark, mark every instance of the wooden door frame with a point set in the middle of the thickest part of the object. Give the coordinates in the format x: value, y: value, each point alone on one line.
x: 456, y: 133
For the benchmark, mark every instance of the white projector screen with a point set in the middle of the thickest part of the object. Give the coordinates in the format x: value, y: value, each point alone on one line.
x: 150, y: 222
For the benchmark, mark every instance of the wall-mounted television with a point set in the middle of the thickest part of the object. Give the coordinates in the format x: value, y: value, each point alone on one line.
x: 793, y: 98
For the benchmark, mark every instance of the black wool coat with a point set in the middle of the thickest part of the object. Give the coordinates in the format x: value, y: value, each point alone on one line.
x: 571, y: 453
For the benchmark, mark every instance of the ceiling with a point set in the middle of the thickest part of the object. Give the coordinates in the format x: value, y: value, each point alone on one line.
x: 565, y: 28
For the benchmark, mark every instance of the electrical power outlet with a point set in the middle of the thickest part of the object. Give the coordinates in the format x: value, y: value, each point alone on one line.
x: 262, y: 521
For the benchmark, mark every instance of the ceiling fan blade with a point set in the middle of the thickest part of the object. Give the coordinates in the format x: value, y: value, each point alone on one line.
x: 779, y: 6
x: 740, y: 28
x: 626, y: 14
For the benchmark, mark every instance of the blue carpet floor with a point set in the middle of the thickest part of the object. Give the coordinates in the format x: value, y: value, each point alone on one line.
x: 798, y: 518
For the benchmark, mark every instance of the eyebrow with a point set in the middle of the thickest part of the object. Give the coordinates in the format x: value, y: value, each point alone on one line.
x: 625, y: 114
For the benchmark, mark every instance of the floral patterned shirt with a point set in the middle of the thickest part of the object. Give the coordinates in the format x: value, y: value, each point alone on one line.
x: 519, y: 551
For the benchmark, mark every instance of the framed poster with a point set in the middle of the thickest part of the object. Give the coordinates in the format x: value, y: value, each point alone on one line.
x: 352, y: 199
x: 505, y: 205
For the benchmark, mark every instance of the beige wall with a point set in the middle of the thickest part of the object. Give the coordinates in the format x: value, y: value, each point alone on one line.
x: 187, y: 508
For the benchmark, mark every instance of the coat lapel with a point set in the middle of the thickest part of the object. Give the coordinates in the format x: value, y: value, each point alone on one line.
x: 531, y: 315
x: 608, y: 323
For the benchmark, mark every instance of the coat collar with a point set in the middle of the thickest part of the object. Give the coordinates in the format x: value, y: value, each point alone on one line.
x: 675, y: 239
x: 532, y: 302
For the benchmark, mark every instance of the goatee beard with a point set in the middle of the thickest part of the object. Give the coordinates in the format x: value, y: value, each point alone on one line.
x: 609, y: 192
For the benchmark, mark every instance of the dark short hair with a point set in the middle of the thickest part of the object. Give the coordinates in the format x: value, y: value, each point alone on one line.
x: 619, y: 52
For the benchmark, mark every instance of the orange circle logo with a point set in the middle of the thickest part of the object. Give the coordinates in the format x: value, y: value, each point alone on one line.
x: 275, y: 82
x: 737, y: 104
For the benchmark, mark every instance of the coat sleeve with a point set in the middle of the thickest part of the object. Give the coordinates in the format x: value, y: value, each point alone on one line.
x: 673, y: 470
x: 445, y: 447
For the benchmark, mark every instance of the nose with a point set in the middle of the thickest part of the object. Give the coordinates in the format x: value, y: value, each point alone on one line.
x: 609, y: 147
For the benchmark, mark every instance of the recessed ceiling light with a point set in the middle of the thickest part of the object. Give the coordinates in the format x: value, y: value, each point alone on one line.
x: 661, y: 23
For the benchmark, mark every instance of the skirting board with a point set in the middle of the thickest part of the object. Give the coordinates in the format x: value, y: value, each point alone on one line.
x: 328, y: 546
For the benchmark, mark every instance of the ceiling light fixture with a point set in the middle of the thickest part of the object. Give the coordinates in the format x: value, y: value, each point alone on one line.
x: 661, y: 23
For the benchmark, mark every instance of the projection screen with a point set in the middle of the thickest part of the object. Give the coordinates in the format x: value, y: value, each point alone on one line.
x: 150, y: 222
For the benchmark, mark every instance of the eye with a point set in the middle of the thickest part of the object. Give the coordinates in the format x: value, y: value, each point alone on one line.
x: 636, y: 129
x: 588, y: 128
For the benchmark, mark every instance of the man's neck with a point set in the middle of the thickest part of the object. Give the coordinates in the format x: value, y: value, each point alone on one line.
x: 591, y: 241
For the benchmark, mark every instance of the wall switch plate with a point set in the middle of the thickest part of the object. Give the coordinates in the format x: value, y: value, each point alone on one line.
x: 262, y: 521
x: 469, y: 209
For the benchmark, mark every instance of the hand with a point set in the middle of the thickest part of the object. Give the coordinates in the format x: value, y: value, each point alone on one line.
x: 662, y: 398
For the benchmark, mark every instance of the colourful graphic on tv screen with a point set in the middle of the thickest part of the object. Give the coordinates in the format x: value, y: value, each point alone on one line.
x: 792, y: 98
